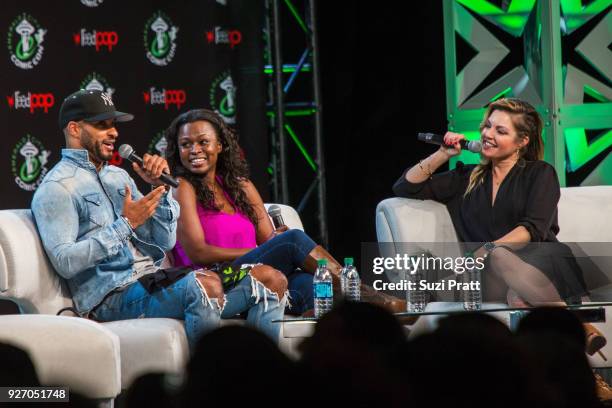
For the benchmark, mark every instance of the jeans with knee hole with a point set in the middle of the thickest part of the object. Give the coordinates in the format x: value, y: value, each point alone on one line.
x: 262, y: 304
x: 286, y: 252
x: 181, y: 300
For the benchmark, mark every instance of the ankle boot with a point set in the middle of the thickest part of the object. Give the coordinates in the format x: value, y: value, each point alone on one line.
x: 595, y: 340
x: 310, y: 264
x: 368, y: 294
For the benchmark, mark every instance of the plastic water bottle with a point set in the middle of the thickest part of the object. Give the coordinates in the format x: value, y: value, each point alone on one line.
x: 350, y: 283
x: 472, y: 299
x: 416, y: 299
x: 322, y: 288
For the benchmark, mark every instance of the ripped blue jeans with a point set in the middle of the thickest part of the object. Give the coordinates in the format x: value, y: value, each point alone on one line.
x: 184, y: 300
x: 286, y: 252
x: 187, y: 300
x: 262, y: 305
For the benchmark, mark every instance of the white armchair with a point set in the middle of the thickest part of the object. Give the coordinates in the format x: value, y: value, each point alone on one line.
x: 414, y: 226
x: 96, y: 360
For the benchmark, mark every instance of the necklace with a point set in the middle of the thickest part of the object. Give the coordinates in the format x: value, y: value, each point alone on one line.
x: 219, y: 201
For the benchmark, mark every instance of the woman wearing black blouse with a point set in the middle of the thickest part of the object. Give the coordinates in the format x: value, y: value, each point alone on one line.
x: 507, y: 202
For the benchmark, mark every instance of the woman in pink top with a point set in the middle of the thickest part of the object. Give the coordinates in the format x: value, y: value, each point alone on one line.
x: 223, y: 218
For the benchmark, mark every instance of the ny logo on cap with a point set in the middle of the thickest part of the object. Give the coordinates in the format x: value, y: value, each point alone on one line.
x: 107, y: 99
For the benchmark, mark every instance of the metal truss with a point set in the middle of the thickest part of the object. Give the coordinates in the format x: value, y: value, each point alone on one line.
x: 284, y: 116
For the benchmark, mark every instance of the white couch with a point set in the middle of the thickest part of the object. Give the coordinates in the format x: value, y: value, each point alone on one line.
x: 96, y: 360
x: 585, y: 218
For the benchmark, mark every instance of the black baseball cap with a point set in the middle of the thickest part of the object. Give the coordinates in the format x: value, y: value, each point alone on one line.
x: 90, y: 106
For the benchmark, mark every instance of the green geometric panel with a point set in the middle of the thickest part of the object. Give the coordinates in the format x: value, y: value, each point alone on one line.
x: 574, y: 14
x: 490, y: 52
x: 593, y: 48
x: 570, y: 86
x: 512, y: 19
x: 522, y: 79
x: 602, y: 175
x: 579, y: 151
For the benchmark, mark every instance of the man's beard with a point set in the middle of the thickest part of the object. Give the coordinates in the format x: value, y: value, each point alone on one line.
x: 100, y: 154
x: 95, y: 148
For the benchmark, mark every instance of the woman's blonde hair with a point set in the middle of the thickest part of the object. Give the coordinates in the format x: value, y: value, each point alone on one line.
x: 526, y: 121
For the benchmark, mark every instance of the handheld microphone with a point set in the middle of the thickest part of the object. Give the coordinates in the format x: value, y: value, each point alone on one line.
x: 127, y: 152
x: 274, y: 211
x: 473, y: 146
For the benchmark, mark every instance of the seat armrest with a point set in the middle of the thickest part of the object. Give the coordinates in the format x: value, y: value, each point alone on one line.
x: 414, y: 227
x: 290, y: 216
x: 68, y: 351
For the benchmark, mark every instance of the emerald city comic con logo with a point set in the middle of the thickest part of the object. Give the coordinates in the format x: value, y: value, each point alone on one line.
x: 91, y: 3
x: 96, y: 82
x: 25, y: 38
x: 223, y: 97
x: 158, y: 144
x: 28, y: 162
x: 160, y: 39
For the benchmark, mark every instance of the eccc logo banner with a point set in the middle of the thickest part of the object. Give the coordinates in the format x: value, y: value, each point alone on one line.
x: 31, y: 101
x: 25, y: 39
x: 223, y: 97
x: 96, y: 82
x: 91, y: 3
x: 160, y: 39
x: 28, y: 163
x: 158, y: 144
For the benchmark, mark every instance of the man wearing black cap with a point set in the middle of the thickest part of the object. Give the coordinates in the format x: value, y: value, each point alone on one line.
x: 107, y: 239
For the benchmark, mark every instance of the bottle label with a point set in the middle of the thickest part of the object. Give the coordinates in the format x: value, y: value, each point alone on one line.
x: 323, y: 290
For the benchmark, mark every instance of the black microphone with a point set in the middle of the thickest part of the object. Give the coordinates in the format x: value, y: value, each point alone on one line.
x: 126, y: 151
x: 473, y: 146
x: 274, y: 211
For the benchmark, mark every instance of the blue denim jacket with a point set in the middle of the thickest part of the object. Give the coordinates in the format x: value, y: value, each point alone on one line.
x: 78, y: 215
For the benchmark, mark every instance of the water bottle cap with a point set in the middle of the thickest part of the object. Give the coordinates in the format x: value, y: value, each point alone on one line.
x: 322, y: 262
x: 348, y: 261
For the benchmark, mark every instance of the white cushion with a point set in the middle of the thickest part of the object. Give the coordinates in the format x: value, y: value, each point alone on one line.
x: 68, y: 351
x: 150, y: 345
x: 290, y: 216
x: 26, y: 275
x: 585, y: 214
x: 414, y: 227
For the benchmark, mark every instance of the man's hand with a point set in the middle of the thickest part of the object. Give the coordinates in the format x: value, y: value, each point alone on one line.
x: 152, y: 167
x: 138, y: 212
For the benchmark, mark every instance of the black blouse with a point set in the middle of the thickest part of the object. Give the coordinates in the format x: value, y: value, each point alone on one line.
x: 528, y: 196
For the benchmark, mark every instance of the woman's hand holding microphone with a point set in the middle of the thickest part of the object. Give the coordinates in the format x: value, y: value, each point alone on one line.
x: 451, y: 139
x: 425, y: 168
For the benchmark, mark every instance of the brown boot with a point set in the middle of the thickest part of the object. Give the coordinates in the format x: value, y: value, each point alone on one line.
x: 310, y: 264
x: 595, y: 340
x: 368, y: 294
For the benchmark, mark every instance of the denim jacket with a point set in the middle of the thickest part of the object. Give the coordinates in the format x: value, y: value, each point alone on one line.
x: 78, y: 215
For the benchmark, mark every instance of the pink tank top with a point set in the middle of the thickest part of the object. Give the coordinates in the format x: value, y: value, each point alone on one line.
x: 221, y: 230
